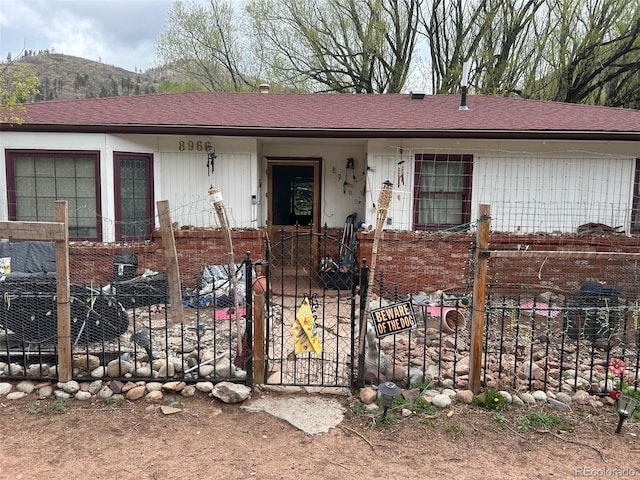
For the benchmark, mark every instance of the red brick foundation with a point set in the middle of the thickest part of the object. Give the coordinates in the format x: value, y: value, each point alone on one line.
x: 416, y: 262
x: 195, y: 249
x: 409, y: 261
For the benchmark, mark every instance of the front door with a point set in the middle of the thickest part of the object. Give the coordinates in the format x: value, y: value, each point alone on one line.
x: 293, y: 202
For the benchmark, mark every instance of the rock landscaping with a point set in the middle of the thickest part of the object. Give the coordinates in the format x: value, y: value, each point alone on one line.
x: 115, y: 391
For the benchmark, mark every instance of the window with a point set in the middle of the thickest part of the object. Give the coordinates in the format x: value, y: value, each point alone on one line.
x: 37, y: 178
x: 442, y: 192
x: 135, y: 216
x: 635, y: 213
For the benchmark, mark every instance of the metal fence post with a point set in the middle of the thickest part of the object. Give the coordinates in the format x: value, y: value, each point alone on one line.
x: 247, y: 341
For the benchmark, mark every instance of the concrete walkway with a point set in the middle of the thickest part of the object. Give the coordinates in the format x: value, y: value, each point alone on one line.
x: 310, y: 413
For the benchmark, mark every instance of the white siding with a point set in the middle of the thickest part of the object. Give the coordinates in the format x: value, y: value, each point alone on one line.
x: 530, y: 186
x: 553, y: 194
x: 183, y: 179
x: 387, y: 167
x: 185, y: 184
x: 179, y: 176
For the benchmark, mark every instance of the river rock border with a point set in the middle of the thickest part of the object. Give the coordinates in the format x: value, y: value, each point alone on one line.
x: 116, y: 391
x: 446, y: 397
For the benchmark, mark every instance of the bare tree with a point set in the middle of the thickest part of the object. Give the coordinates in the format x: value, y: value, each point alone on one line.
x: 207, y: 44
x: 506, y: 45
x: 566, y: 50
x: 446, y: 25
x: 493, y: 35
x: 592, y: 54
x: 562, y: 50
x: 361, y: 46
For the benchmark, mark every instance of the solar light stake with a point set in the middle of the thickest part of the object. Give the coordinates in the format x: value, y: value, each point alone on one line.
x: 388, y: 391
x: 625, y: 406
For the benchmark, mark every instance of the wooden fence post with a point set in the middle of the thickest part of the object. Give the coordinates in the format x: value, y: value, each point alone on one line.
x: 479, y: 297
x: 58, y: 232
x: 171, y: 261
x: 65, y: 370
x: 384, y: 199
x: 258, y: 338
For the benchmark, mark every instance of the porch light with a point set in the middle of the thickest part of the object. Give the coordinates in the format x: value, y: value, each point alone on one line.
x: 625, y: 407
x: 388, y: 391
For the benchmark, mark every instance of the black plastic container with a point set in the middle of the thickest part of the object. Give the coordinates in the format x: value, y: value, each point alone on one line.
x: 594, y: 314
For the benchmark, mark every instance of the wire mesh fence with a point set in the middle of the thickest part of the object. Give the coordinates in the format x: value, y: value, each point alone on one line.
x: 556, y: 314
x: 560, y: 307
x: 121, y: 322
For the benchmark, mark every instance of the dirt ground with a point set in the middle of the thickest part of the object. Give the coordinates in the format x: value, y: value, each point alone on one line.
x: 207, y: 439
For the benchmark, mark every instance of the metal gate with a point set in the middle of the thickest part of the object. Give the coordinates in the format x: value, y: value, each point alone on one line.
x: 310, y: 310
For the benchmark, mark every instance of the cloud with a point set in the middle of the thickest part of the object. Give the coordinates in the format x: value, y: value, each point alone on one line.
x: 77, y: 36
x: 117, y: 32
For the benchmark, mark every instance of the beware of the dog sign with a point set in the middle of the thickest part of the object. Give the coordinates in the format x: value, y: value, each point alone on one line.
x: 393, y: 319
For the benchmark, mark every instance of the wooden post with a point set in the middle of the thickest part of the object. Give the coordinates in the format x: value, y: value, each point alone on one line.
x: 171, y: 261
x: 479, y: 297
x: 65, y: 369
x: 58, y: 232
x: 218, y: 204
x: 258, y: 338
x: 384, y: 200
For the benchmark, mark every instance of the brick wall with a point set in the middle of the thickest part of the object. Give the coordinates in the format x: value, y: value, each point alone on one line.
x: 566, y: 273
x: 195, y: 249
x: 416, y: 263
x: 412, y: 261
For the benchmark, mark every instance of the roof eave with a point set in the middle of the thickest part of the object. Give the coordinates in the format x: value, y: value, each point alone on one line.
x: 323, y: 132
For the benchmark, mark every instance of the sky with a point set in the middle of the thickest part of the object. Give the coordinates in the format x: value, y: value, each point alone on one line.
x: 116, y: 32
x: 121, y: 33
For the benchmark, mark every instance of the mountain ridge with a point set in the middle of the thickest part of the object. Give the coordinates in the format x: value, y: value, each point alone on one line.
x: 66, y: 77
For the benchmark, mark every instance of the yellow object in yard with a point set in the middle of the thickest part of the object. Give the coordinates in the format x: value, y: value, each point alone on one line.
x: 5, y: 265
x: 305, y: 332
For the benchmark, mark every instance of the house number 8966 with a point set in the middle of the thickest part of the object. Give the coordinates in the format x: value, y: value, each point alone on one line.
x: 190, y: 146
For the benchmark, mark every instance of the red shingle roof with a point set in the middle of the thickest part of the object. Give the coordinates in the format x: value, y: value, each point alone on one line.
x: 330, y: 113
